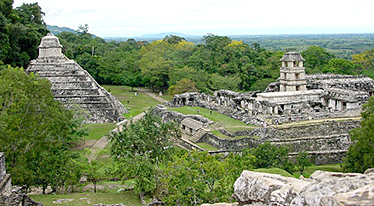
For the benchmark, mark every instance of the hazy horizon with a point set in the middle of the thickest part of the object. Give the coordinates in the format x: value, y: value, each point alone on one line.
x: 115, y: 18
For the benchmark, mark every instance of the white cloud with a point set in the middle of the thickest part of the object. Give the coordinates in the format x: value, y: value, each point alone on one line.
x: 131, y: 18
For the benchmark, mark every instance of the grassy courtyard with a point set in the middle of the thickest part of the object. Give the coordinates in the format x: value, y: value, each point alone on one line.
x: 226, y: 122
x: 220, y: 121
x: 136, y: 103
x: 97, y: 131
x: 88, y: 198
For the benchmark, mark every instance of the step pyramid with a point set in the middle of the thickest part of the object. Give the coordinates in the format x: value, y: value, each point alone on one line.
x: 73, y: 86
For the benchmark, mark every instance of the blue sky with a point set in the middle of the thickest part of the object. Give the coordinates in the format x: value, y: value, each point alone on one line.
x: 123, y: 18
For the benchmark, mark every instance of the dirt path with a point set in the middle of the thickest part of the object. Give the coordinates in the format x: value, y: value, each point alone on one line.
x: 102, y: 142
x: 149, y: 93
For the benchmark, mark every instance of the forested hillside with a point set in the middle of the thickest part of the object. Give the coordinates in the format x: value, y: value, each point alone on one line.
x: 177, y: 65
x: 56, y: 30
x: 20, y: 32
x: 342, y: 45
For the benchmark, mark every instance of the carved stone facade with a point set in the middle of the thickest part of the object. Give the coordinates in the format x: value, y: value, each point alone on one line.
x: 292, y: 73
x: 73, y: 86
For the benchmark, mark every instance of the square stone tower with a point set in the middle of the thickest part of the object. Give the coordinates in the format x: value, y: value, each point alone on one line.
x: 292, y: 73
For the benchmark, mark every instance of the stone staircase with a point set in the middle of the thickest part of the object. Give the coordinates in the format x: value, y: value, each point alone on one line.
x: 198, y: 135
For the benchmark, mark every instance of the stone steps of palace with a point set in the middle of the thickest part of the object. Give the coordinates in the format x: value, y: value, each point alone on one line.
x: 82, y: 99
x: 76, y: 91
x: 73, y: 85
x: 198, y: 135
x: 73, y: 78
x: 54, y: 68
x: 50, y: 73
x: 89, y: 105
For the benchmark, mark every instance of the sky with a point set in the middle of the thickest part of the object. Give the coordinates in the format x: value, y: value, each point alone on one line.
x: 124, y: 18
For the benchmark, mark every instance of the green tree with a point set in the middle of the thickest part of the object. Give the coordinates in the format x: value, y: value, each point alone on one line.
x: 365, y: 60
x: 261, y: 84
x: 192, y: 178
x: 83, y: 29
x: 31, y: 121
x: 141, y: 148
x: 24, y: 33
x: 195, y: 178
x: 268, y: 156
x: 172, y: 39
x: 316, y: 58
x: 93, y: 168
x: 339, y: 66
x: 360, y: 155
x: 54, y: 168
x: 155, y: 70
x: 217, y: 82
x: 182, y: 86
x: 302, y: 161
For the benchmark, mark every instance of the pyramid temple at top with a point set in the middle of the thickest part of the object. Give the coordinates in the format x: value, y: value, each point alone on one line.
x: 73, y: 86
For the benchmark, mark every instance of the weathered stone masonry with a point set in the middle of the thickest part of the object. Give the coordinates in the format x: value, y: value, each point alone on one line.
x: 73, y: 86
x: 12, y: 195
x: 294, y: 97
x: 5, y: 181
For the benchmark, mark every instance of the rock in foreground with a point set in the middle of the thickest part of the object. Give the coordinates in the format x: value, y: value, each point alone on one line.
x: 322, y: 188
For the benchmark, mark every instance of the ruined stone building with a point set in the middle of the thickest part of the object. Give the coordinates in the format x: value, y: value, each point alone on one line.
x: 295, y: 96
x: 12, y: 195
x: 73, y: 86
x: 5, y: 181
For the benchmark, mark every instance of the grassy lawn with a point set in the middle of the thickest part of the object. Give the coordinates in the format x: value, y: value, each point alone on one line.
x: 167, y: 97
x: 238, y: 128
x: 79, y: 199
x: 221, y: 119
x: 274, y: 171
x: 137, y: 104
x: 97, y: 131
x: 309, y: 170
x: 206, y: 146
x: 222, y: 136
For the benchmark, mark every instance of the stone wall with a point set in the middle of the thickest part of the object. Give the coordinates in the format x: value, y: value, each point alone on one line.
x: 167, y: 115
x: 12, y: 195
x: 329, y: 96
x: 326, y: 142
x: 347, y: 82
x: 5, y: 181
x: 225, y: 144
